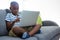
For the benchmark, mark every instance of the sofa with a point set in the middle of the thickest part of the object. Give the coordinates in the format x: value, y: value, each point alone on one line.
x: 49, y: 30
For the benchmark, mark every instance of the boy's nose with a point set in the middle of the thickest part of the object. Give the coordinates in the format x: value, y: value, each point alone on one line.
x: 15, y: 10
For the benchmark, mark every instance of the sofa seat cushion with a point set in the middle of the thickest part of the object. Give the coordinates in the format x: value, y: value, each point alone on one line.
x: 47, y: 33
x: 9, y: 38
x: 15, y: 38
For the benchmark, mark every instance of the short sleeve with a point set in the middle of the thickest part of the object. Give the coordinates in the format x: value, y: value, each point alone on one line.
x: 39, y: 20
x: 7, y: 17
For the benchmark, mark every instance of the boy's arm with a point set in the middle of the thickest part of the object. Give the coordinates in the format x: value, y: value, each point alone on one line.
x: 35, y: 29
x: 37, y: 26
x: 9, y: 25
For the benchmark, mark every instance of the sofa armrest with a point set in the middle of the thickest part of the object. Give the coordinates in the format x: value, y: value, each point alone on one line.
x: 49, y: 23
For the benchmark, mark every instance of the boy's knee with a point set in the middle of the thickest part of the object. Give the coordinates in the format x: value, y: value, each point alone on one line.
x: 15, y: 29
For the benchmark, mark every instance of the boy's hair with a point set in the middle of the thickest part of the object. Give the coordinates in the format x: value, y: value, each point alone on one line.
x: 13, y: 3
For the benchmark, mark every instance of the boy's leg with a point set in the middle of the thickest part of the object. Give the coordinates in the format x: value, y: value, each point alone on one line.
x: 30, y: 28
x: 18, y: 31
x: 26, y: 34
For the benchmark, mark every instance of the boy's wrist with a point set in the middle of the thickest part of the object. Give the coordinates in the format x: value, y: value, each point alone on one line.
x: 30, y: 34
x: 13, y: 21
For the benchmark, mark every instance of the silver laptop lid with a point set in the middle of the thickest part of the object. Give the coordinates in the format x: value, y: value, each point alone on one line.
x: 28, y: 18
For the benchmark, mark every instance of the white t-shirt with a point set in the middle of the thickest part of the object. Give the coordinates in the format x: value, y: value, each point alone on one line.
x: 10, y: 17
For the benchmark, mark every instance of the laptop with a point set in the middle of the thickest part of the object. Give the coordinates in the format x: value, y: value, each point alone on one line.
x: 28, y: 18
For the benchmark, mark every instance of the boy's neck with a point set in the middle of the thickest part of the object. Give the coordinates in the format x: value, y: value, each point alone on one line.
x: 15, y: 14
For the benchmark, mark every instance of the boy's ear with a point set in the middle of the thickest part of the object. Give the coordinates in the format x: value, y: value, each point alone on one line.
x: 10, y: 8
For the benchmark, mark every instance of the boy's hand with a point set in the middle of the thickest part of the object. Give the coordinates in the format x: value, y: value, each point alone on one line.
x: 17, y: 19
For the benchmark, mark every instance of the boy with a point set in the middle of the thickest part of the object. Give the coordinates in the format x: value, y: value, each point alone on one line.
x: 12, y: 18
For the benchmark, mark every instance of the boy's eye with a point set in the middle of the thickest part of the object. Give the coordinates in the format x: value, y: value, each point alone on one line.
x: 15, y: 8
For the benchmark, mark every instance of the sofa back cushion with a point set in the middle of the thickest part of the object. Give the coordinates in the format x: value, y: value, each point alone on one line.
x: 3, y: 30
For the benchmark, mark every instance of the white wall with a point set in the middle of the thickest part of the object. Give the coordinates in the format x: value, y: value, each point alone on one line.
x: 5, y: 4
x: 49, y: 9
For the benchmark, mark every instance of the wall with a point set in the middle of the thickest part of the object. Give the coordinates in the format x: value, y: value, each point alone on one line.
x: 49, y: 9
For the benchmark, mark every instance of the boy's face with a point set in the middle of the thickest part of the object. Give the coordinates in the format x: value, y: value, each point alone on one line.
x: 14, y: 9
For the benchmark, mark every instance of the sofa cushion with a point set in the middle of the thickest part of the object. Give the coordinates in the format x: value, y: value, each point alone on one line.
x: 15, y: 38
x: 9, y: 38
x: 3, y: 30
x: 31, y: 38
x: 48, y: 33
